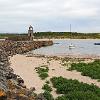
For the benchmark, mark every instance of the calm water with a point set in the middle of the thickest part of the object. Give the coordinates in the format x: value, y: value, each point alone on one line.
x: 61, y: 47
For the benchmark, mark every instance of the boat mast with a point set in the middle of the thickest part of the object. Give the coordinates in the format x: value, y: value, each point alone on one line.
x: 70, y: 28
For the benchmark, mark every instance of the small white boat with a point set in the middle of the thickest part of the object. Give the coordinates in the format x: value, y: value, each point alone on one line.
x: 71, y: 46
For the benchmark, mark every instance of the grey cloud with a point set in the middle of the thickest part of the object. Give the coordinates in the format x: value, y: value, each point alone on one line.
x: 42, y: 12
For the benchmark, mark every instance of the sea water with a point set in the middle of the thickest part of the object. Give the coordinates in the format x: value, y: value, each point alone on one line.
x: 61, y: 47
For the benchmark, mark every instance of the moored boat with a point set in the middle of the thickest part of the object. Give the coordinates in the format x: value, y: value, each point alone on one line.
x: 71, y: 46
x: 96, y: 43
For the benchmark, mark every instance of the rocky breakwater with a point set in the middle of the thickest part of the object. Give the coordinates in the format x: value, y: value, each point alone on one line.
x: 11, y: 85
x: 19, y: 47
x: 4, y: 69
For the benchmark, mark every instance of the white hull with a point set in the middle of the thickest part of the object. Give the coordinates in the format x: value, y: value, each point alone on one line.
x: 71, y: 46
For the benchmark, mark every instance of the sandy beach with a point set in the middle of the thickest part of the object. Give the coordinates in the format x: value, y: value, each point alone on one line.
x: 25, y: 67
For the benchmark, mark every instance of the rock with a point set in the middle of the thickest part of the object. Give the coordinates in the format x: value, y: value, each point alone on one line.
x: 40, y: 97
x: 22, y: 97
x: 20, y: 80
x: 32, y: 89
x: 2, y: 93
x: 11, y: 75
x: 3, y: 70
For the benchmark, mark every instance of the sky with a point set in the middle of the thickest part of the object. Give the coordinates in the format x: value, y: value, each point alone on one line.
x: 49, y: 15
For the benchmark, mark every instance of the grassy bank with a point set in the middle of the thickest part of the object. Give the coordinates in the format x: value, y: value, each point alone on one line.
x: 73, y: 35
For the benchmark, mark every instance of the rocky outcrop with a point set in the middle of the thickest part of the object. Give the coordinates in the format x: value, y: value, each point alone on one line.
x: 4, y: 69
x: 11, y: 85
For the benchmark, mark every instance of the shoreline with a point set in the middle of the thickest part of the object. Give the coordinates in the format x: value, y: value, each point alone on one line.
x: 74, y: 56
x: 46, y: 39
x: 24, y: 66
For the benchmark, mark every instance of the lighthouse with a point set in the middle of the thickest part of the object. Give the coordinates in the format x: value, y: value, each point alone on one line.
x: 30, y: 33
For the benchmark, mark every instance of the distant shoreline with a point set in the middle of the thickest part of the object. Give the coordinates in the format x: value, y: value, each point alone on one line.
x: 75, y: 56
x: 46, y: 39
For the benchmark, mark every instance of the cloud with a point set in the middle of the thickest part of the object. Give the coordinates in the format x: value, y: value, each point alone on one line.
x: 45, y: 15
